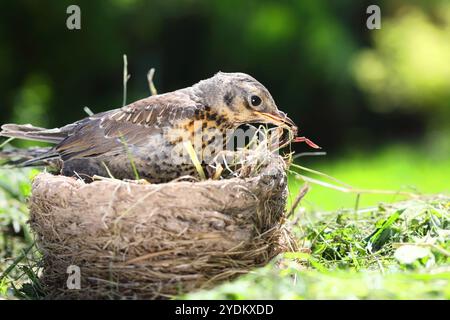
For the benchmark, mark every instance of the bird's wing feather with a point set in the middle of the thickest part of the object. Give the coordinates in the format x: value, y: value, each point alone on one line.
x: 133, y: 124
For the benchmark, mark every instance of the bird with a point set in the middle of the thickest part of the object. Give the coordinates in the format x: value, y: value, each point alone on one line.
x: 147, y: 138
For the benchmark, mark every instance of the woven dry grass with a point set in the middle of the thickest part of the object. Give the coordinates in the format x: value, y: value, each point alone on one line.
x: 150, y: 241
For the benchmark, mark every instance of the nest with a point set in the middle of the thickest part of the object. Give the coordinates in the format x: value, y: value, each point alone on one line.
x: 150, y: 241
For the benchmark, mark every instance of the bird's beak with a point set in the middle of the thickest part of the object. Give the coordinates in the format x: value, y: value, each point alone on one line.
x: 280, y: 119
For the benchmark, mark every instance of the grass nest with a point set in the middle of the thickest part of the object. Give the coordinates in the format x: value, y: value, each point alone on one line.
x: 149, y: 241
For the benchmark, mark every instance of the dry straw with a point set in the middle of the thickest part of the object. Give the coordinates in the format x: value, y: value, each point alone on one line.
x: 147, y: 241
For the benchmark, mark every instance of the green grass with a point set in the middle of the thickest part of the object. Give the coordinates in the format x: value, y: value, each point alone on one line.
x: 393, y: 250
x: 396, y: 251
x: 398, y: 168
x: 18, y: 271
x: 290, y: 283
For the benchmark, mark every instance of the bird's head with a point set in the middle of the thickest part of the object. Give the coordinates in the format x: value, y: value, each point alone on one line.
x: 242, y: 99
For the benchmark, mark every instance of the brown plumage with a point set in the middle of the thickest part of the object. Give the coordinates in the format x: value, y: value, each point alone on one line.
x: 149, y: 134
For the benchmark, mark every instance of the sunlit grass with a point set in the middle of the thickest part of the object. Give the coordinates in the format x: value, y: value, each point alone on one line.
x: 398, y: 251
x: 396, y: 168
x: 292, y: 283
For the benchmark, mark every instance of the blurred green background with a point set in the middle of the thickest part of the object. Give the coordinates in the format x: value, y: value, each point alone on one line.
x: 377, y: 101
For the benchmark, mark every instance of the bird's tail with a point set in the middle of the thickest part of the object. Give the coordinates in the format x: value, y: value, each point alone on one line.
x: 32, y: 156
x: 29, y: 132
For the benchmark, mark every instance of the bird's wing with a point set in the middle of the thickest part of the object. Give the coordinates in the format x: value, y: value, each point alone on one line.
x: 110, y: 131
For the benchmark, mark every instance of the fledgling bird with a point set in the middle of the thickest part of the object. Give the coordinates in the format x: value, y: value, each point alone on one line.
x: 146, y: 136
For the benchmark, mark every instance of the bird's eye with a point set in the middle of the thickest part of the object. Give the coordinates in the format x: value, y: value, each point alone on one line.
x: 255, y: 101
